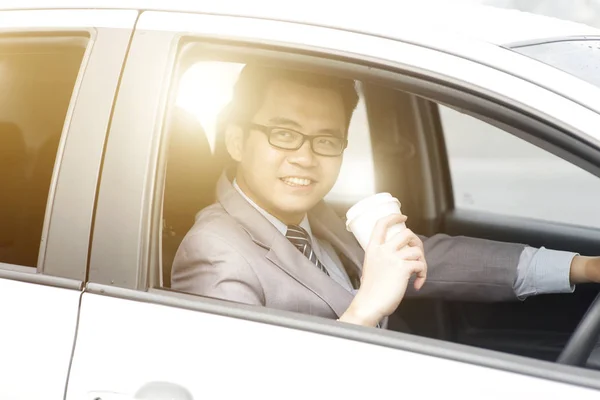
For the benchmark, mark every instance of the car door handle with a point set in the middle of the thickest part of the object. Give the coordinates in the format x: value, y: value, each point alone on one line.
x: 149, y: 391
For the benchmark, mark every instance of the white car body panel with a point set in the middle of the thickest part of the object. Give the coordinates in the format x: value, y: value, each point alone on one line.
x: 36, y: 340
x: 39, y: 19
x: 472, y: 32
x: 483, y: 22
x: 375, y: 48
x: 39, y: 321
x: 124, y: 344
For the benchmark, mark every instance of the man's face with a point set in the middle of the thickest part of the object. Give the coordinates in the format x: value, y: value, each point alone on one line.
x: 288, y: 183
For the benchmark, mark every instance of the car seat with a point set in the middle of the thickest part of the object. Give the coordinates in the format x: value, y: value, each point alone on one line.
x: 190, y: 183
x: 13, y: 156
x: 38, y: 186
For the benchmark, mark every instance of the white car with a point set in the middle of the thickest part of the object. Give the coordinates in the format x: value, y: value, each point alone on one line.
x: 483, y: 122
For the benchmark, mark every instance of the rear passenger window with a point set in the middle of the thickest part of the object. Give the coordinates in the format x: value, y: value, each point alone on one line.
x: 37, y: 77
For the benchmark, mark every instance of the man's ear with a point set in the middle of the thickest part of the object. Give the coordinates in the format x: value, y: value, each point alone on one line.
x: 234, y: 140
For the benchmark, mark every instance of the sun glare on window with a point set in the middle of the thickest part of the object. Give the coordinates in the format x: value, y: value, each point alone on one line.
x: 205, y: 89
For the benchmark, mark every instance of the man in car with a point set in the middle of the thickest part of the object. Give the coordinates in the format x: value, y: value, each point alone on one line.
x: 270, y: 240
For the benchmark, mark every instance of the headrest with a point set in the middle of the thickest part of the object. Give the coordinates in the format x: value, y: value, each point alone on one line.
x: 191, y: 172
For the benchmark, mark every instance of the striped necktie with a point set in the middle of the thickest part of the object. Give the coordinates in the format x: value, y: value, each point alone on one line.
x: 300, y: 238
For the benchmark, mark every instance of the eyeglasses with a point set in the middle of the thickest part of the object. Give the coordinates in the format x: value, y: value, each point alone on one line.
x: 289, y: 139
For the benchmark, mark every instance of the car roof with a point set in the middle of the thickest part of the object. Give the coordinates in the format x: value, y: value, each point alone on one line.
x: 400, y: 19
x: 474, y: 32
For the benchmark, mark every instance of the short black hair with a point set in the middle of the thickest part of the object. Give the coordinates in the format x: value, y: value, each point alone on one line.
x: 254, y: 79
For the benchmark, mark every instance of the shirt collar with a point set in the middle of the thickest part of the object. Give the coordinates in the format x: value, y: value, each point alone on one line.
x: 281, y: 227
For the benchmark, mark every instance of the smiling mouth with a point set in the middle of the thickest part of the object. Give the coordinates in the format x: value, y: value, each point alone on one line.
x: 297, y: 182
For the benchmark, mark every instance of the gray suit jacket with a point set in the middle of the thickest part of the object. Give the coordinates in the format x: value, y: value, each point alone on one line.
x: 232, y: 252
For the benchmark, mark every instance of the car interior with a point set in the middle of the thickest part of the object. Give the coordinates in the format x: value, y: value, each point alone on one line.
x: 191, y: 175
x: 411, y: 163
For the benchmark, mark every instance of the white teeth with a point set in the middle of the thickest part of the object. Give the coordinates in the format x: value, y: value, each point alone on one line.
x: 296, y: 181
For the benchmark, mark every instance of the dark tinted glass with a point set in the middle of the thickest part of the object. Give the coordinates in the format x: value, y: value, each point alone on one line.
x: 36, y: 83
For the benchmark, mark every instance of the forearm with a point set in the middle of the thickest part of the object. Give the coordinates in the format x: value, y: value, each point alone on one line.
x: 469, y: 269
x: 542, y: 271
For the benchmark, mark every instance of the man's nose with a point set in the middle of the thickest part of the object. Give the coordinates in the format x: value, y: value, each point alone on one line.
x: 304, y: 156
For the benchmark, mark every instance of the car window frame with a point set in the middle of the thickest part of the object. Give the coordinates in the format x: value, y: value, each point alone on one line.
x: 122, y: 263
x: 64, y: 244
x: 114, y: 261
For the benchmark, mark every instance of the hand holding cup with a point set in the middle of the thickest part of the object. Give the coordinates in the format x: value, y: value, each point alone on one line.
x: 393, y: 253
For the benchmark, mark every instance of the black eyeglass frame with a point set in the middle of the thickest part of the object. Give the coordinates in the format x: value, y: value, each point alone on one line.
x: 268, y: 129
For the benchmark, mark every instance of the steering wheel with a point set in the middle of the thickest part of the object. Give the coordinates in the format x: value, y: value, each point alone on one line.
x: 584, y: 338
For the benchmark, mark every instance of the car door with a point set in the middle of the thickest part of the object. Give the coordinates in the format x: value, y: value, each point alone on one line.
x: 138, y: 338
x: 58, y: 76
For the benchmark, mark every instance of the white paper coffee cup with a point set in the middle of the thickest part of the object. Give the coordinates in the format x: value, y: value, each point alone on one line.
x: 362, y: 217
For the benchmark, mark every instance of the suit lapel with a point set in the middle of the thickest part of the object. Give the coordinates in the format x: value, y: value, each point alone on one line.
x: 281, y: 251
x: 253, y: 222
x: 294, y: 263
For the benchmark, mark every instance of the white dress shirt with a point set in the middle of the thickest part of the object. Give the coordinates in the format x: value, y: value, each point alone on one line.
x: 539, y: 270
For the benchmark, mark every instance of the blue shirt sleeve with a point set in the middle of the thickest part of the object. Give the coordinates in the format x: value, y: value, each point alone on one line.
x: 543, y: 271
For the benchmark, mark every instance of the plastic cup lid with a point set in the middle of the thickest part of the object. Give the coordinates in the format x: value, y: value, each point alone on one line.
x: 366, y: 203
